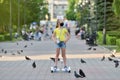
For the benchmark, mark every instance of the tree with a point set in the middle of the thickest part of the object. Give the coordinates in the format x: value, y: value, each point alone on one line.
x: 70, y: 14
x: 29, y: 11
x: 116, y: 7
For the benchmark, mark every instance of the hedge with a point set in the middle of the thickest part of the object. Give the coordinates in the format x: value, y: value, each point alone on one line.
x: 109, y: 39
x: 1, y: 38
x: 118, y: 42
x: 114, y: 34
x: 99, y: 38
x: 7, y: 37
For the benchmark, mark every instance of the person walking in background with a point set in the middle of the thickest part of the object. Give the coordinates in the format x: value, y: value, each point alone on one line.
x: 66, y: 24
x: 60, y: 36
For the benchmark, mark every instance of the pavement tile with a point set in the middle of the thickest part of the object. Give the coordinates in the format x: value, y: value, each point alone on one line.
x: 94, y: 68
x: 15, y: 67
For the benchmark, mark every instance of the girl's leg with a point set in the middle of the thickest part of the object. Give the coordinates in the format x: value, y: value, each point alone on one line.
x: 64, y: 55
x: 57, y: 56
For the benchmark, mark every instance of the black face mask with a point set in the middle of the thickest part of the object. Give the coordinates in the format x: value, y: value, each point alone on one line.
x: 61, y: 24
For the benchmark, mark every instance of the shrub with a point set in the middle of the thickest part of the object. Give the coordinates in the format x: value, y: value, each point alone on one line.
x: 1, y: 38
x: 114, y: 33
x: 7, y: 37
x: 99, y: 38
x: 111, y: 40
x: 118, y: 42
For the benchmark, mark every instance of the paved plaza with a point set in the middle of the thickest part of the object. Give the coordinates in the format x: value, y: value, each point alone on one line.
x: 14, y: 66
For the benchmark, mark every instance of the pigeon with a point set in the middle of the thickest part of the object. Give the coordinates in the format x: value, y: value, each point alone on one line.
x: 94, y: 48
x: 17, y: 43
x: 27, y: 58
x: 90, y: 48
x: 25, y: 46
x: 116, y: 63
x: 2, y: 50
x: 13, y: 53
x: 110, y: 59
x: 82, y: 61
x: 112, y: 55
x: 21, y: 50
x: 31, y: 43
x: 34, y: 64
x: 53, y: 59
x: 77, y: 75
x: 82, y: 73
x: 18, y: 52
x: 5, y: 52
x: 103, y: 58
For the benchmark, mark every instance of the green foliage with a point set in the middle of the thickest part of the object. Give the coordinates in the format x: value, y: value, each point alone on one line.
x: 111, y: 40
x: 1, y: 38
x: 114, y: 33
x: 29, y: 11
x: 118, y: 42
x: 7, y: 37
x: 70, y: 14
x: 99, y: 38
x: 104, y: 15
x: 116, y: 7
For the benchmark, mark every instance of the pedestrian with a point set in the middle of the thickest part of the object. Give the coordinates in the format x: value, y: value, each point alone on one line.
x: 16, y: 35
x: 60, y: 36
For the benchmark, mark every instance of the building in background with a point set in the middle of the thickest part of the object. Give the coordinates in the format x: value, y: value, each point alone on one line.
x: 57, y: 9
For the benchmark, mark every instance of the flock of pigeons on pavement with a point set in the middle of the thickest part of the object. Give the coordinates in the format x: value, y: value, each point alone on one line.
x: 18, y: 52
x: 81, y: 73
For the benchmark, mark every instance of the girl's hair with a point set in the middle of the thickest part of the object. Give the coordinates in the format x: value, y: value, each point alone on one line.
x: 58, y: 23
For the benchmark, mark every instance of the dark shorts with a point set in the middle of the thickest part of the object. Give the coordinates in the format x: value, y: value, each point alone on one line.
x: 61, y: 45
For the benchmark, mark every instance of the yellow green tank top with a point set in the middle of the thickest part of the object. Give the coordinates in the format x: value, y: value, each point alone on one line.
x: 60, y: 33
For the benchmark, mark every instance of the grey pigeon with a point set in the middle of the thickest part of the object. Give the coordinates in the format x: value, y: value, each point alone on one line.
x: 110, y: 59
x: 103, y: 58
x: 82, y: 73
x: 2, y: 50
x: 34, y: 65
x: 25, y: 46
x: 82, y: 61
x: 17, y: 43
x: 116, y: 63
x: 18, y: 52
x: 13, y: 53
x: 21, y: 50
x: 31, y: 43
x: 112, y: 55
x: 27, y: 58
x: 53, y: 59
x: 94, y: 48
x: 89, y: 48
x: 5, y: 52
x: 77, y: 75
